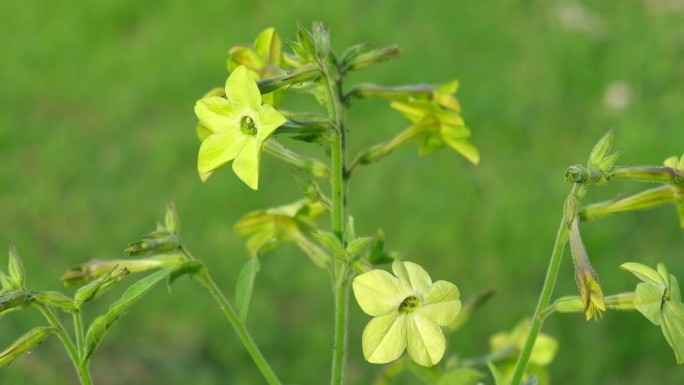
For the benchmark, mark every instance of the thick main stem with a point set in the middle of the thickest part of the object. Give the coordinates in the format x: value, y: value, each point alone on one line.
x: 335, y: 106
x: 544, y: 300
x: 81, y: 367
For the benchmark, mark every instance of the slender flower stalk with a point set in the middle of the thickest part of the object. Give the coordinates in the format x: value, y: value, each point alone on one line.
x: 648, y: 174
x: 642, y: 201
x: 575, y: 304
x: 81, y: 366
x: 545, y: 296
x: 240, y: 329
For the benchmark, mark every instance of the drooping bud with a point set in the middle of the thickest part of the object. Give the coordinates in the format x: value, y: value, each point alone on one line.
x: 585, y: 275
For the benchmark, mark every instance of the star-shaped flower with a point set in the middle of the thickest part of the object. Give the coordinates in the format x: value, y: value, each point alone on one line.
x: 409, y: 310
x: 439, y: 125
x: 239, y: 124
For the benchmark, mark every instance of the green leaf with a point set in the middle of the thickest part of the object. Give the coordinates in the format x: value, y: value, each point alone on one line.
x: 16, y: 267
x: 461, y: 376
x: 25, y: 343
x: 101, y: 285
x: 244, y: 287
x: 498, y: 378
x: 56, y: 299
x: 101, y: 325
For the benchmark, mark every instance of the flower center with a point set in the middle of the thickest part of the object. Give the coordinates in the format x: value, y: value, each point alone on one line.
x: 409, y: 304
x: 247, y: 125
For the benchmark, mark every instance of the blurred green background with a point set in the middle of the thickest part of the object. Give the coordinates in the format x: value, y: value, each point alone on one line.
x: 97, y: 134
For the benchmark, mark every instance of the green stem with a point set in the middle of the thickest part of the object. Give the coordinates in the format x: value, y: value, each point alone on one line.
x: 82, y: 368
x: 544, y: 300
x: 78, y: 331
x: 333, y: 90
x: 648, y: 174
x: 237, y: 325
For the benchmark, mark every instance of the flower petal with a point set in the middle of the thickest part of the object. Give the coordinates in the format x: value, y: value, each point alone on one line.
x: 413, y: 276
x: 384, y: 338
x: 246, y: 164
x: 441, y: 304
x: 267, y: 121
x: 217, y: 114
x: 242, y: 90
x: 673, y: 328
x: 378, y: 292
x: 648, y: 301
x: 218, y: 149
x: 644, y: 273
x: 425, y: 340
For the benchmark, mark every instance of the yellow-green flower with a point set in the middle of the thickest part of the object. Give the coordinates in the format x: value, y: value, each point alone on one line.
x: 439, y: 125
x: 239, y: 124
x: 659, y: 299
x: 409, y: 310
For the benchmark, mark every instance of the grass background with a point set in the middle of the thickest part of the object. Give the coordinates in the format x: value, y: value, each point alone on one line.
x: 97, y: 134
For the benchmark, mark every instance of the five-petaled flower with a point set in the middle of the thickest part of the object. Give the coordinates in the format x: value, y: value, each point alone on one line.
x: 409, y: 310
x: 239, y: 124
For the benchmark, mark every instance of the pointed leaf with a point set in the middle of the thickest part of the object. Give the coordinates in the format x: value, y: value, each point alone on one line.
x: 16, y: 267
x: 24, y: 344
x: 244, y: 287
x: 498, y: 378
x: 101, y: 325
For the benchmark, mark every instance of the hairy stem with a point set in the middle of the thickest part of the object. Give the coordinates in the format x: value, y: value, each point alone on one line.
x: 82, y: 367
x: 333, y: 90
x: 544, y: 299
x: 240, y: 328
